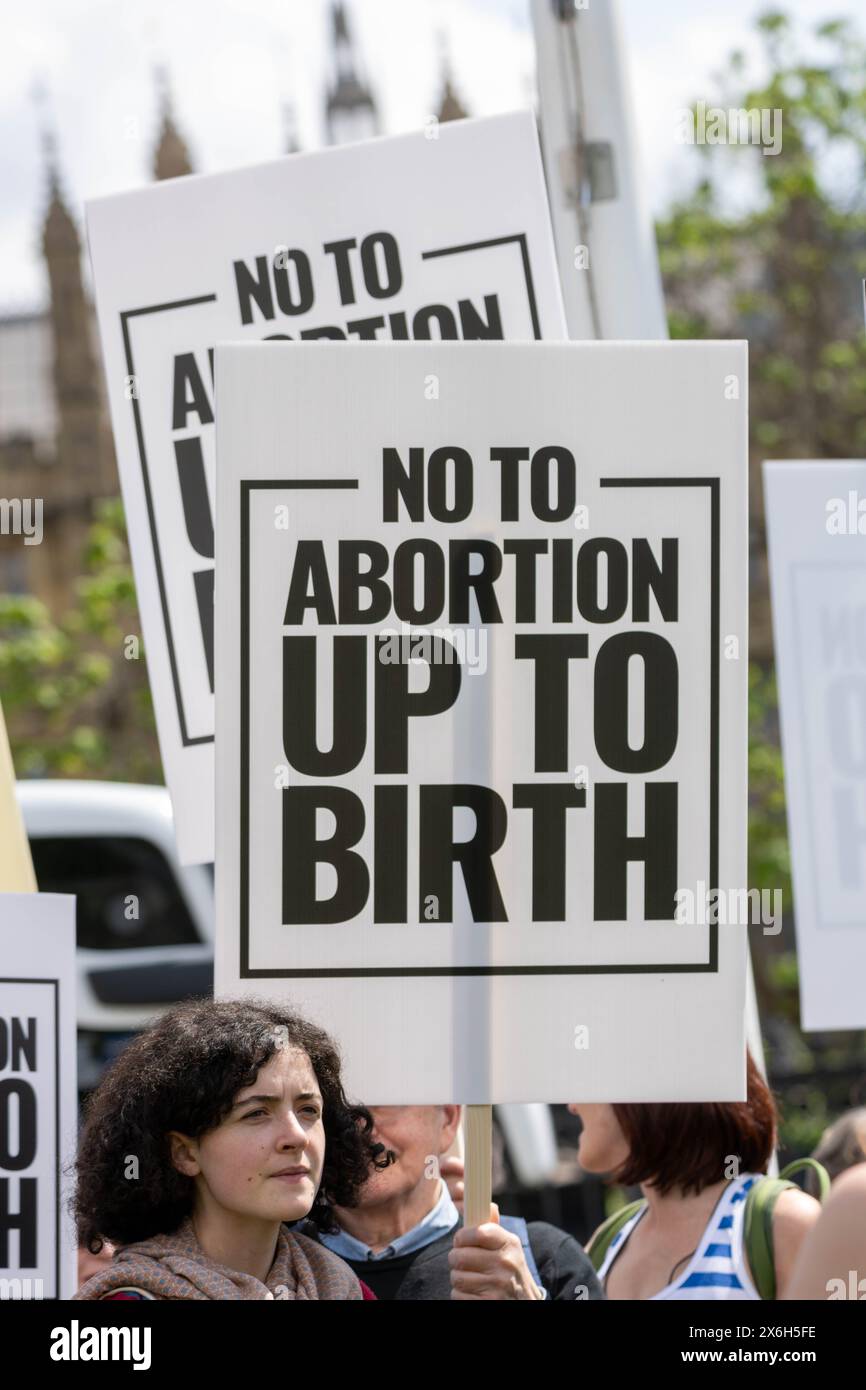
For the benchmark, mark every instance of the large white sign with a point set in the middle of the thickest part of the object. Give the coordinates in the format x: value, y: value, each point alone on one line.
x: 404, y: 238
x: 38, y: 1094
x: 816, y: 529
x: 476, y: 727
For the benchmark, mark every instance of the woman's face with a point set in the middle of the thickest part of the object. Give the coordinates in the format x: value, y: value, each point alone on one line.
x: 265, y: 1159
x: 602, y: 1145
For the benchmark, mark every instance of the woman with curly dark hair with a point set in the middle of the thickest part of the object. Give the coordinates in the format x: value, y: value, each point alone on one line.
x: 224, y: 1120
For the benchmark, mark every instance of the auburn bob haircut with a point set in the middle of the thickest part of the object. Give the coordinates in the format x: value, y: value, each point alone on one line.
x: 692, y: 1146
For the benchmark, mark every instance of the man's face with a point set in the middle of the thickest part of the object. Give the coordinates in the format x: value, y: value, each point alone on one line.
x: 417, y: 1134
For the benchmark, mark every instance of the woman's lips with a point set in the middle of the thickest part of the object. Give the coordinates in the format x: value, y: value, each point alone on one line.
x: 297, y: 1176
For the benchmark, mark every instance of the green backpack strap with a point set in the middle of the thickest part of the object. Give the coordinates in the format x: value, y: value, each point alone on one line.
x: 758, y: 1233
x: 821, y: 1174
x: 608, y: 1231
x: 758, y: 1221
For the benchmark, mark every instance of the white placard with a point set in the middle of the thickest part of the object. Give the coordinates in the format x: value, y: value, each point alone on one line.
x: 407, y: 237
x: 601, y: 488
x: 816, y: 531
x: 38, y: 1094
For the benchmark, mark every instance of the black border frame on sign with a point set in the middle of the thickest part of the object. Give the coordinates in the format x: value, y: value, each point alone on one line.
x: 59, y: 1215
x: 709, y: 966
x: 187, y: 740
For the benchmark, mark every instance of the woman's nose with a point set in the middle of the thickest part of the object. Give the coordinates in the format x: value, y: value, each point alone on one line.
x: 292, y: 1132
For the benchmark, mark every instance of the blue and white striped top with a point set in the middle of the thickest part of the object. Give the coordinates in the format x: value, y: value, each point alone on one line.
x: 718, y: 1267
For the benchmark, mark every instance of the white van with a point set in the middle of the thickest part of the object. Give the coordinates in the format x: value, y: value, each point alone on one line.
x: 145, y: 923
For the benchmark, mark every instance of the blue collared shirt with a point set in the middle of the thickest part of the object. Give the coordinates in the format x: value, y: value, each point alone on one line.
x: 443, y: 1217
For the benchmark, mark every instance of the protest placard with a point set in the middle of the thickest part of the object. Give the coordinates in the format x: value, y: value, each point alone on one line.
x: 410, y: 237
x: 37, y: 1094
x: 16, y: 864
x: 481, y: 711
x: 816, y: 532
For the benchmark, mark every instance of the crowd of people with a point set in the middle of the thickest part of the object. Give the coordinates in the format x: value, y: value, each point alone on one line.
x: 220, y: 1158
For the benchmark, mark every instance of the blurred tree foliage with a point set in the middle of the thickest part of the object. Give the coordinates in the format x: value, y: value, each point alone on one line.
x: 75, y: 696
x: 786, y: 274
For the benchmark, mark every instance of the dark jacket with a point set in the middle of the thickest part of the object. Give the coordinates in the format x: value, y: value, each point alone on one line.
x: 425, y: 1274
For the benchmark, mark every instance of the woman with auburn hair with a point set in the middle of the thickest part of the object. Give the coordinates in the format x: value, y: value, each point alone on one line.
x: 213, y: 1128
x: 696, y: 1165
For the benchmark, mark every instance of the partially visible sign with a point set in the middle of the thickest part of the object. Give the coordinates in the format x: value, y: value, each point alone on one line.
x: 404, y: 238
x: 16, y: 863
x: 816, y: 530
x: 481, y: 712
x: 38, y: 1094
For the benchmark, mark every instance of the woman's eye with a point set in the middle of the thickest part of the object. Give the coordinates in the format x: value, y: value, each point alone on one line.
x: 312, y: 1110
x: 251, y: 1113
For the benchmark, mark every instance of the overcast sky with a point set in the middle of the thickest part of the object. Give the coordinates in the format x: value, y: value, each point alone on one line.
x: 234, y: 64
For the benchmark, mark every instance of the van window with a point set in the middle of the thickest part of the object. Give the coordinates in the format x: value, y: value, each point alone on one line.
x: 127, y: 893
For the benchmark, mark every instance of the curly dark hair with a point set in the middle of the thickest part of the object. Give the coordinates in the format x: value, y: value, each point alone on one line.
x: 183, y: 1074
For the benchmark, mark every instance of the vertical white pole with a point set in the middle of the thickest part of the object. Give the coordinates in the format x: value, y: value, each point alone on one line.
x: 605, y: 241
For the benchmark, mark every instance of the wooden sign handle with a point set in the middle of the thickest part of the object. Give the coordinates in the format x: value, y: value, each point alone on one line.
x: 478, y: 1175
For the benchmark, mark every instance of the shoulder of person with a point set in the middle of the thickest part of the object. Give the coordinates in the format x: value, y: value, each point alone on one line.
x: 836, y: 1244
x: 322, y: 1259
x: 794, y: 1215
x: 547, y: 1239
x: 562, y: 1261
x: 849, y: 1187
x: 311, y: 1237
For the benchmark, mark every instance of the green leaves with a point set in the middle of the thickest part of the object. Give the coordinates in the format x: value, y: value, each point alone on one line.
x: 75, y: 707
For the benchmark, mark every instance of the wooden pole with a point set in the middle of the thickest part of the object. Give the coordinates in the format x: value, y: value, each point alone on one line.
x: 478, y: 1124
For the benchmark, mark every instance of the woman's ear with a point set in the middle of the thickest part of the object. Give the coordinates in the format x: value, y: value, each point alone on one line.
x: 184, y: 1154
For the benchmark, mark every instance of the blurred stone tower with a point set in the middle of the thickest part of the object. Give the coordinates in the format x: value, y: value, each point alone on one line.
x: 451, y: 107
x: 82, y: 455
x: 55, y: 435
x: 171, y: 157
x: 70, y: 465
x: 350, y: 111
